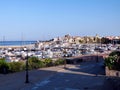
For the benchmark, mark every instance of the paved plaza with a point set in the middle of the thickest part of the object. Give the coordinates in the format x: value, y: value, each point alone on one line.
x: 84, y: 76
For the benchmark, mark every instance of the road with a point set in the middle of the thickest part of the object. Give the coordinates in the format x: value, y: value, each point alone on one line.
x: 85, y: 76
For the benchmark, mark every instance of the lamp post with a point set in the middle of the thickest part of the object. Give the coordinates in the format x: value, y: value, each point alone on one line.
x: 64, y: 56
x: 65, y: 61
x: 27, y: 75
x: 97, y: 57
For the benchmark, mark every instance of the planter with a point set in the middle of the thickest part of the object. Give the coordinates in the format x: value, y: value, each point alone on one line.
x: 112, y: 72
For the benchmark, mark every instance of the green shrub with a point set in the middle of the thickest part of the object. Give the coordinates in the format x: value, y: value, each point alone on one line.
x: 110, y: 61
x: 16, y: 66
x: 48, y: 62
x: 59, y: 62
x: 113, y: 61
x: 117, y: 53
x: 3, y: 59
x: 35, y: 63
x: 117, y: 64
x: 4, y: 66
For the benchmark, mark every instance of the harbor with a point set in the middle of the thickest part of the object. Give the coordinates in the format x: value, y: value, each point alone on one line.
x: 61, y: 47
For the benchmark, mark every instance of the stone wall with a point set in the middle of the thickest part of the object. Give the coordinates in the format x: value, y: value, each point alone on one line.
x: 112, y: 72
x: 113, y: 78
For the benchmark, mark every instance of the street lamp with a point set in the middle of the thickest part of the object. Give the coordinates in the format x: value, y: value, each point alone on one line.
x: 64, y: 56
x: 27, y: 75
x: 65, y: 61
x: 97, y: 57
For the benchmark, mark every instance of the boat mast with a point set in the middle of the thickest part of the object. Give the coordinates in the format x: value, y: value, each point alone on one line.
x: 3, y: 42
x: 21, y: 40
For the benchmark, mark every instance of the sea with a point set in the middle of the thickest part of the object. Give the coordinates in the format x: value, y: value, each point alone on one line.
x: 16, y: 43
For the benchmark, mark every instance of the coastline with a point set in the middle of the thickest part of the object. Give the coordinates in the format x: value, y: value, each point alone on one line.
x: 18, y: 46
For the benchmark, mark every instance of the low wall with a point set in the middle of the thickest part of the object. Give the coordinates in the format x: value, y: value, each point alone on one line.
x: 112, y: 72
x: 114, y: 78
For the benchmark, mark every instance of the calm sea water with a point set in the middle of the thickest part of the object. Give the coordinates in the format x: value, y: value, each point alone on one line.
x: 15, y: 43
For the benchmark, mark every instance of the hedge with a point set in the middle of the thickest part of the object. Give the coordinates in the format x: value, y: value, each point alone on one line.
x: 33, y: 63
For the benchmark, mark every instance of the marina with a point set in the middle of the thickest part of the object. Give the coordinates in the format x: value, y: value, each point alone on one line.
x: 65, y: 47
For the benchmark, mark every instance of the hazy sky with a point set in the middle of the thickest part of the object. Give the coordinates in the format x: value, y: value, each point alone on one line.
x: 45, y: 19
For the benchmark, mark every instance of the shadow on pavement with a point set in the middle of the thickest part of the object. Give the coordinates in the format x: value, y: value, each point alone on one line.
x: 90, y: 67
x: 73, y: 77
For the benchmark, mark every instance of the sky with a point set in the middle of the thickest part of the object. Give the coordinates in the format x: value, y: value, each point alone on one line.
x: 46, y: 19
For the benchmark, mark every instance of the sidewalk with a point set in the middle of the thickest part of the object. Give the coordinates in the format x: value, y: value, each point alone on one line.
x: 16, y: 81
